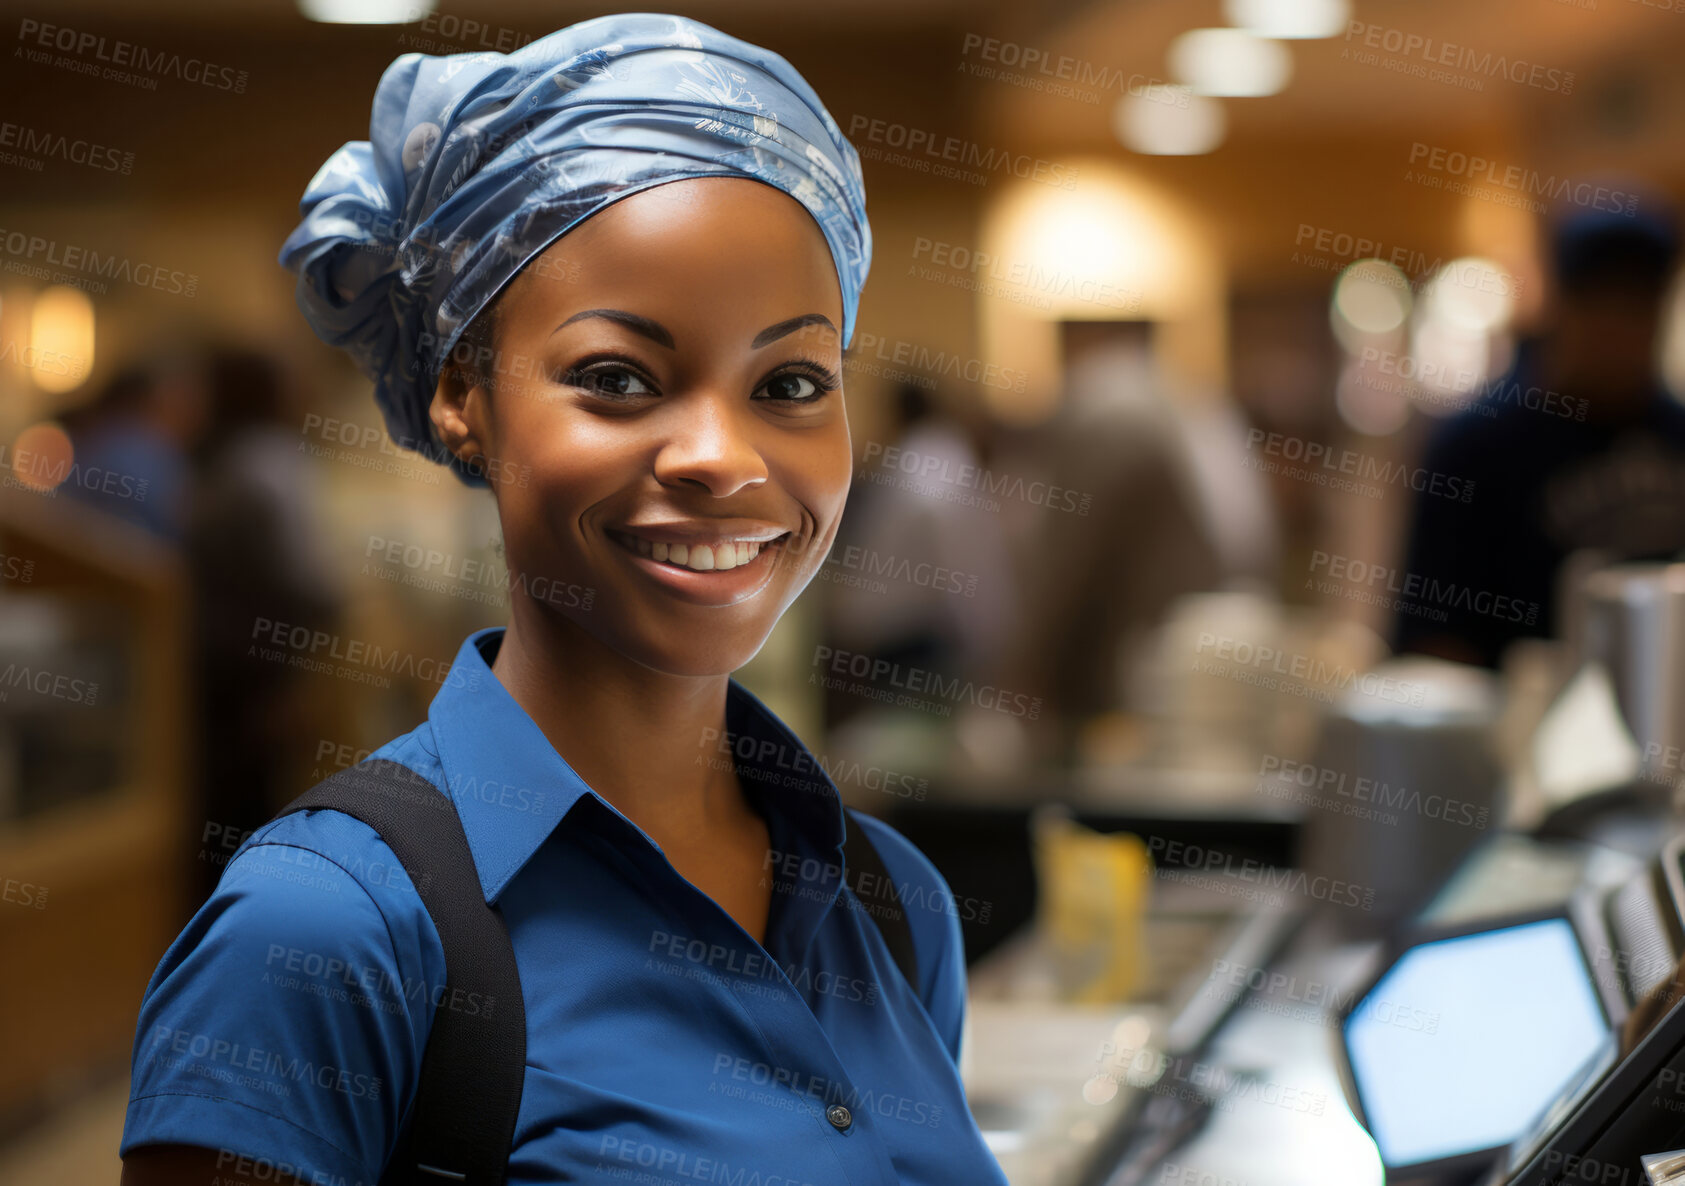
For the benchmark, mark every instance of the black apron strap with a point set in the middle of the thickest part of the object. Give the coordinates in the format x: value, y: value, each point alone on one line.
x: 462, y: 1124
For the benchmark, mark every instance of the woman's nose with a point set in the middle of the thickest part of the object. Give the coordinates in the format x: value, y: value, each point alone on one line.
x: 711, y: 441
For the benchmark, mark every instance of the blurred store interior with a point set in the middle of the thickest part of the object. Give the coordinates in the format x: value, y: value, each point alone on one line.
x: 1152, y: 572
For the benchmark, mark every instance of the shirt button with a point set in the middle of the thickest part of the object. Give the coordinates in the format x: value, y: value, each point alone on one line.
x: 839, y: 1116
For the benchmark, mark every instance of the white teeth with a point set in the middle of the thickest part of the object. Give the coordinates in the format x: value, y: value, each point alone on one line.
x: 726, y: 554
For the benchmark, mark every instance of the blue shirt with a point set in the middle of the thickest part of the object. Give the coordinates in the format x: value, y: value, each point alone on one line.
x: 287, y: 1021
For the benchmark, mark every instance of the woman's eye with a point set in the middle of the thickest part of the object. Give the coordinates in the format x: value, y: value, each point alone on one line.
x: 614, y: 382
x: 792, y: 388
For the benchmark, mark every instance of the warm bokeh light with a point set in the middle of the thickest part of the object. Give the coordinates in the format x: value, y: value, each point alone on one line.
x: 61, y: 339
x: 1115, y: 248
x: 1448, y: 360
x: 1371, y: 297
x: 1457, y: 334
x: 1230, y: 63
x: 15, y: 302
x: 1169, y: 121
x: 1472, y: 292
x: 41, y: 456
x: 1289, y: 19
x: 365, y: 12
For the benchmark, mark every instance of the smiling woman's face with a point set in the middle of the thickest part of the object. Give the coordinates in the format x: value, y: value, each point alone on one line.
x: 678, y: 395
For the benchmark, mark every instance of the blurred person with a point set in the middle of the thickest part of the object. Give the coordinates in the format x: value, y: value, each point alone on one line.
x: 657, y: 240
x: 256, y: 552
x: 1579, y: 446
x: 1099, y: 576
x: 1236, y: 510
x: 921, y: 579
x: 138, y: 435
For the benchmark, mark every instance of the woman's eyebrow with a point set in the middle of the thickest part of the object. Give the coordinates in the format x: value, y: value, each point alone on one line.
x: 653, y: 330
x: 656, y: 332
x: 773, y: 332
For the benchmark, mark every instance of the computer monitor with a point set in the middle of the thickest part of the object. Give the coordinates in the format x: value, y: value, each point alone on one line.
x: 1463, y: 1041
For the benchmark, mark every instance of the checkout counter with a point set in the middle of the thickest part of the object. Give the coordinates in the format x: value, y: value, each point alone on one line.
x: 1495, y: 1021
x: 1506, y: 1019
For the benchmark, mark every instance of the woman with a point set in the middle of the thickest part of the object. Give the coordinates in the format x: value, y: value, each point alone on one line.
x: 627, y: 260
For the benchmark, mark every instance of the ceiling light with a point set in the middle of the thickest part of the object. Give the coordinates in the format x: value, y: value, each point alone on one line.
x: 1475, y: 293
x: 1289, y: 19
x: 1230, y: 63
x: 366, y: 12
x: 1169, y: 121
x: 61, y: 338
x: 1371, y: 297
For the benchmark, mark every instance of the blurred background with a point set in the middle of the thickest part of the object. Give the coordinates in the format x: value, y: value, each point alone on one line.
x: 1248, y: 399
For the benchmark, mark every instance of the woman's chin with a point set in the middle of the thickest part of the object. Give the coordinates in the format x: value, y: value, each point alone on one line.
x: 693, y: 657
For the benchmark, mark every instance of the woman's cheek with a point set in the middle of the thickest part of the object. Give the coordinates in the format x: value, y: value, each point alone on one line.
x: 541, y: 520
x: 839, y: 477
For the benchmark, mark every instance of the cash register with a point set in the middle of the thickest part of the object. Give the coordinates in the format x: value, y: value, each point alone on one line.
x: 1492, y: 1052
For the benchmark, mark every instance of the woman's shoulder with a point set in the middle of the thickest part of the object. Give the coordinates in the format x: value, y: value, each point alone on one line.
x: 931, y: 907
x: 288, y: 1018
x: 904, y: 860
x: 314, y: 859
x: 319, y: 868
x: 314, y: 900
x: 314, y: 888
x: 934, y: 914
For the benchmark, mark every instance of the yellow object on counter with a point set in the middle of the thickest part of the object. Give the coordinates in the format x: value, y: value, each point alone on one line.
x: 1094, y: 891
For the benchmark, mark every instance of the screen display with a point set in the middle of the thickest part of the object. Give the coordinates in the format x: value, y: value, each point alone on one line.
x: 1464, y: 1041
x: 1578, y: 1090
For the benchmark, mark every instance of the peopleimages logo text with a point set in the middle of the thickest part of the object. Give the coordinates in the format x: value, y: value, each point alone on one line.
x: 38, y: 249
x: 1469, y: 167
x: 941, y: 468
x: 1258, y: 657
x: 1414, y: 587
x: 1350, y: 461
x: 993, y: 161
x: 184, y: 1044
x: 55, y: 144
x: 128, y: 54
x: 1435, y: 52
x: 925, y: 682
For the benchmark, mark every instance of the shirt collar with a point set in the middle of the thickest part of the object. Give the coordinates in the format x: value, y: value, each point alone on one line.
x: 511, y: 788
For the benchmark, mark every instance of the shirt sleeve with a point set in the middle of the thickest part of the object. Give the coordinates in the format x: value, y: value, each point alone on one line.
x: 934, y: 914
x: 288, y: 1019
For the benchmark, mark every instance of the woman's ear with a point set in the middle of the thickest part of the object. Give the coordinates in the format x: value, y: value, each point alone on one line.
x: 458, y: 412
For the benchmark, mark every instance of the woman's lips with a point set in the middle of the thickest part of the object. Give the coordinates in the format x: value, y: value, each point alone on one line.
x: 693, y: 571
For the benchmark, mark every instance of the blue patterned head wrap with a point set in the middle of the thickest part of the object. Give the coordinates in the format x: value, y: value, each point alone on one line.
x: 476, y: 162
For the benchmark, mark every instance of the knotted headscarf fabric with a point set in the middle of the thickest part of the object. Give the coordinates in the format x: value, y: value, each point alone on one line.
x: 475, y: 163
